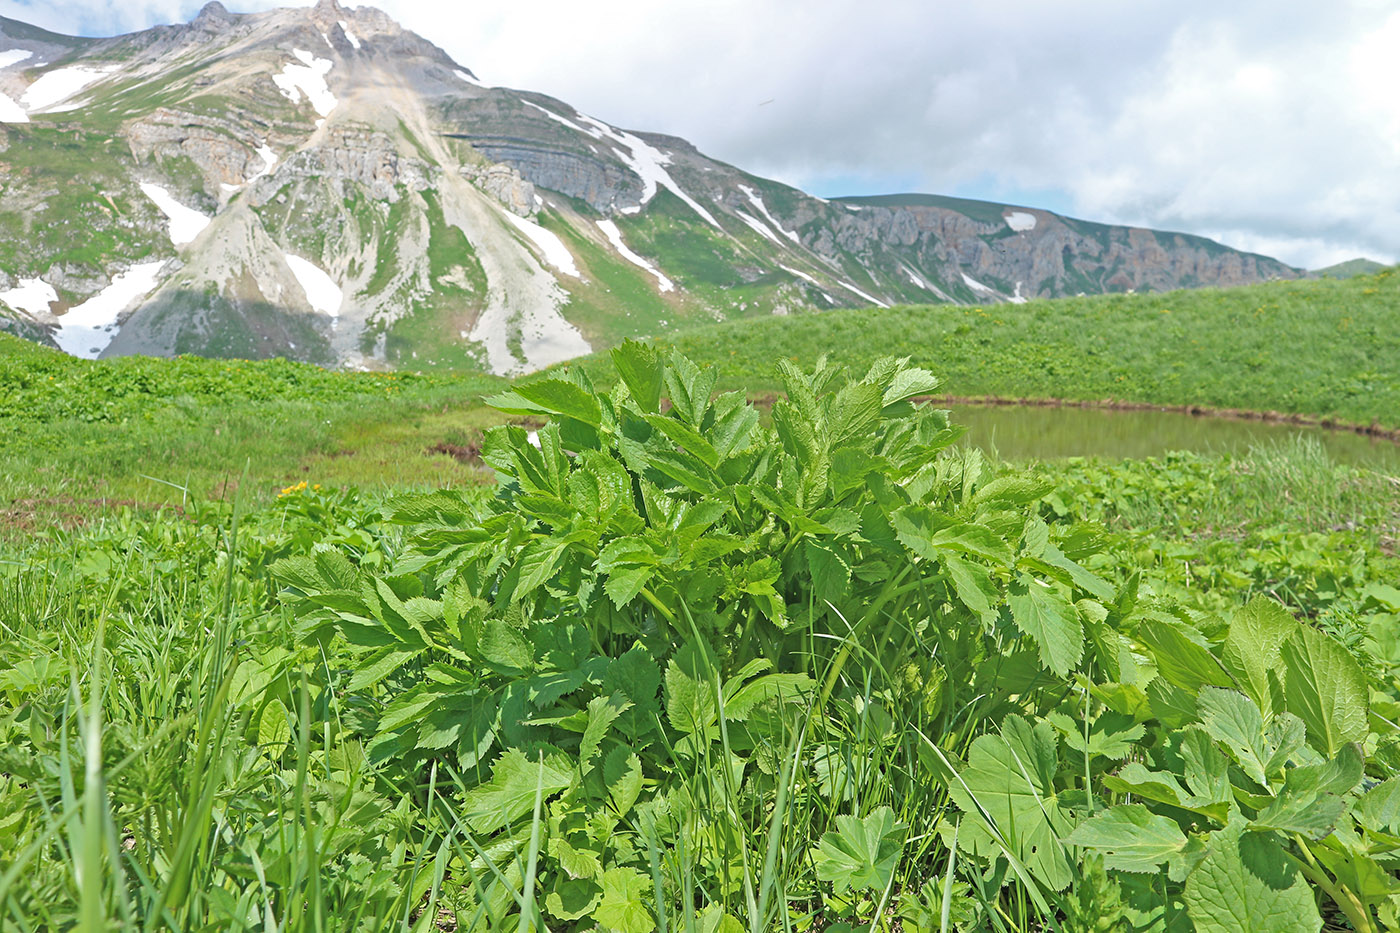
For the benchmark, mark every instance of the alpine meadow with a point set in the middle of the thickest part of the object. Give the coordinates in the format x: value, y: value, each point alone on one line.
x: 426, y: 507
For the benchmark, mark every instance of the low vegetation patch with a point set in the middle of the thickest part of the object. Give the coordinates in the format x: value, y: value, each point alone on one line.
x: 1311, y: 347
x: 683, y: 669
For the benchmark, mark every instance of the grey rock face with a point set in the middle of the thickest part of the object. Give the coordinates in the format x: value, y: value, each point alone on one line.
x: 209, y: 142
x: 369, y: 158
x: 601, y: 184
x: 505, y: 184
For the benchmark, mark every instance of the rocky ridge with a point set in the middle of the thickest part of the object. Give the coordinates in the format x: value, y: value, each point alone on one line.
x: 321, y: 183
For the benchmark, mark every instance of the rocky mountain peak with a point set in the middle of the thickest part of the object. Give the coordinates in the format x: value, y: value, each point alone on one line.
x: 321, y: 183
x: 212, y: 14
x: 327, y: 13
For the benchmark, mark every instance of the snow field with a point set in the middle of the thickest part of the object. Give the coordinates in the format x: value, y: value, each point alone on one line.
x: 185, y: 223
x: 58, y: 85
x: 870, y: 298
x: 614, y: 236
x: 32, y: 296
x: 11, y: 112
x: 762, y: 208
x: 308, y: 78
x: 349, y: 36
x: 555, y: 252
x: 322, y: 293
x: 1020, y: 221
x: 88, y: 328
x: 757, y: 225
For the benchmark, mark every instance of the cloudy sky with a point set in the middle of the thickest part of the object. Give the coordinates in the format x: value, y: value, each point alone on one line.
x: 1272, y: 126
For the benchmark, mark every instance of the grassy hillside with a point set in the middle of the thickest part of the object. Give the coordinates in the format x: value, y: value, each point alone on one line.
x: 1351, y: 268
x: 1317, y: 347
x: 78, y: 437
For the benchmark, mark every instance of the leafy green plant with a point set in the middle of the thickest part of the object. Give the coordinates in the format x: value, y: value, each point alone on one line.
x: 660, y: 588
x: 1251, y: 793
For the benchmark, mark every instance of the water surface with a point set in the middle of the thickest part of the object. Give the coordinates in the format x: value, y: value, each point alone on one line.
x: 1021, y: 432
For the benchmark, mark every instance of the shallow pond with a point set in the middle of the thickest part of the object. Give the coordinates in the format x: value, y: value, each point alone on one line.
x: 1020, y: 432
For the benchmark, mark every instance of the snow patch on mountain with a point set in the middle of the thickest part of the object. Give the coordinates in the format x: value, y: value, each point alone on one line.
x: 186, y: 223
x: 88, y: 328
x: 269, y: 160
x: 757, y: 225
x: 33, y: 296
x: 798, y: 273
x: 614, y: 236
x: 11, y: 112
x: 322, y: 293
x: 563, y: 120
x: 762, y: 208
x: 649, y: 164
x: 350, y: 36
x: 468, y: 78
x: 308, y: 78
x: 870, y: 298
x: 1020, y: 221
x: 553, y: 248
x: 58, y: 85
x: 13, y: 57
x: 975, y: 285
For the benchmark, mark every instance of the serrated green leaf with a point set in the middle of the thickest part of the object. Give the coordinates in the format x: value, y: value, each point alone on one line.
x: 602, y: 713
x: 1051, y: 621
x: 379, y: 665
x: 562, y: 397
x: 685, y: 437
x: 689, y: 387
x: 1325, y: 688
x: 1181, y: 661
x: 973, y: 585
x: 1232, y: 718
x: 1111, y: 735
x: 572, y: 898
x: 510, y: 793
x: 622, y: 908
x: 1206, y: 769
x: 908, y: 383
x: 1131, y: 838
x: 503, y: 645
x: 624, y: 583
x: 1379, y: 808
x: 622, y: 773
x: 1008, y: 784
x: 1253, y: 645
x: 691, y: 704
x: 860, y: 854
x: 639, y: 367
x: 831, y: 575
x: 1247, y: 884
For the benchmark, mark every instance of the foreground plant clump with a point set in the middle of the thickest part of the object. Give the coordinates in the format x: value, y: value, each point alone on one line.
x: 686, y: 671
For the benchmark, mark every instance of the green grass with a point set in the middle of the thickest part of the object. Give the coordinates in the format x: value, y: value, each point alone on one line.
x: 1322, y: 348
x: 85, y: 438
x: 1351, y: 268
x: 180, y: 748
x: 190, y: 727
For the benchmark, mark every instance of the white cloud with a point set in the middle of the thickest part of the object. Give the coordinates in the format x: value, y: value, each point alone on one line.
x: 1270, y: 122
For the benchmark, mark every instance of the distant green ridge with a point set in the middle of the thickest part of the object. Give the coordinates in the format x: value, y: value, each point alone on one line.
x: 1315, y: 347
x: 1351, y: 269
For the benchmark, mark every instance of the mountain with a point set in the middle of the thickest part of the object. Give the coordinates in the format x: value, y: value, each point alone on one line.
x: 323, y: 184
x: 1350, y: 269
